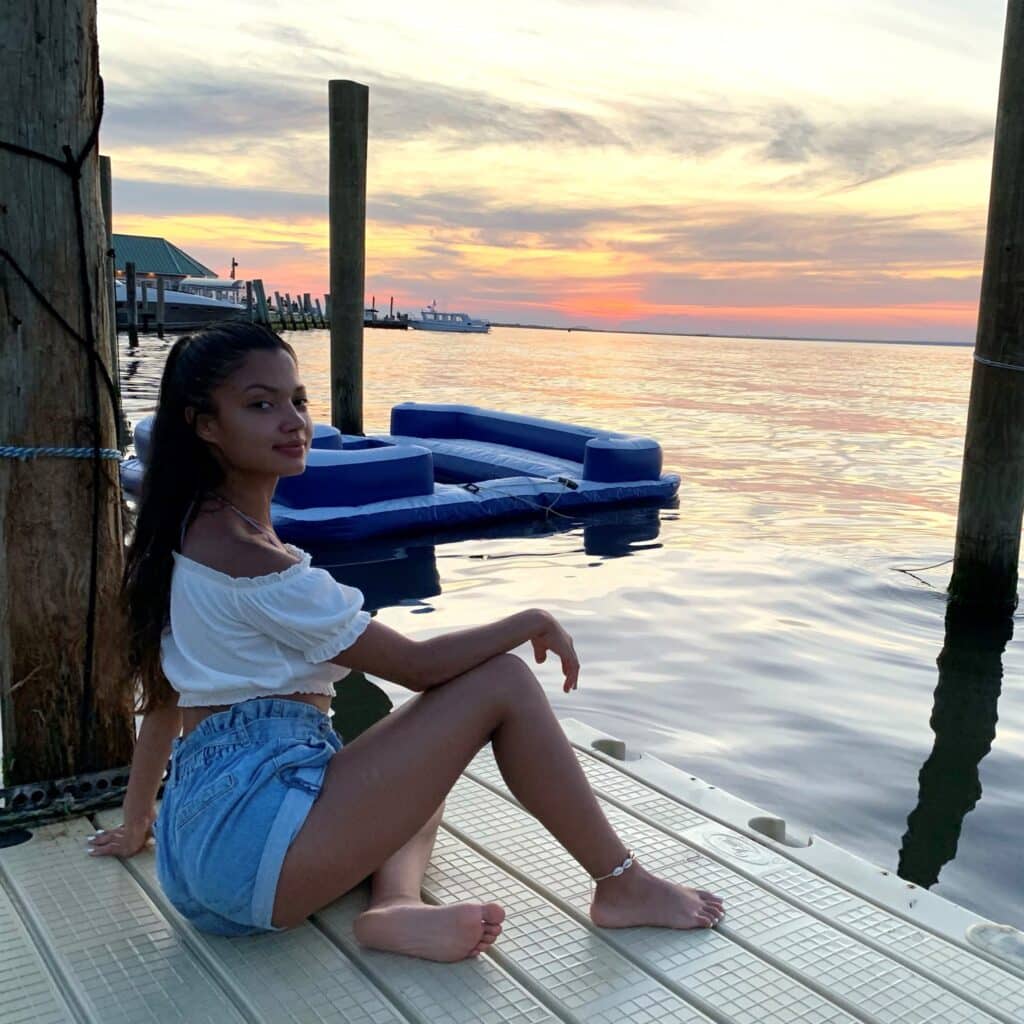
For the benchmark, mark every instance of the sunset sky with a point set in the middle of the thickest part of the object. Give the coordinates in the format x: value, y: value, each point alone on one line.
x: 792, y: 168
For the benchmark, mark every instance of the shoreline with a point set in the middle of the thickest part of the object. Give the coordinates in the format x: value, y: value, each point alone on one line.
x: 740, y: 337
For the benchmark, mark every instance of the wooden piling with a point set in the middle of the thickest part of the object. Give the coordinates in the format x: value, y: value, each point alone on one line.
x: 131, y: 305
x: 319, y: 314
x: 107, y: 203
x: 249, y: 310
x: 63, y: 706
x: 262, y: 311
x: 984, y: 577
x: 348, y: 104
x: 159, y: 307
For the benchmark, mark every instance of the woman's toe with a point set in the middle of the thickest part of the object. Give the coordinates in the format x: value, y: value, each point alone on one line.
x: 493, y: 913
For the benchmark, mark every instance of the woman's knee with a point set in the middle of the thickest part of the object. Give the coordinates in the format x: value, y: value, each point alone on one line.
x: 514, y: 678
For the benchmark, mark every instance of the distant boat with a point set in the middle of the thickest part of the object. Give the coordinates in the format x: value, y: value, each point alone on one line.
x: 431, y: 319
x: 391, y: 322
x: 182, y: 308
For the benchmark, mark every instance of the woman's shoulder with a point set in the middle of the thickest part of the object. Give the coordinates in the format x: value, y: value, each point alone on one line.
x: 220, y: 544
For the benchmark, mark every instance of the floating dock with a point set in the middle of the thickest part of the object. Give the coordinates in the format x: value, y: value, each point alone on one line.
x: 812, y: 934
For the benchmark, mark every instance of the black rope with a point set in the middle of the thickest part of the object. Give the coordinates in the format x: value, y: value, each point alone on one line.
x: 72, y: 165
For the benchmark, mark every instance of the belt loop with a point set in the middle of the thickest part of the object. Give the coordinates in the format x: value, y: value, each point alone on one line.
x: 172, y: 771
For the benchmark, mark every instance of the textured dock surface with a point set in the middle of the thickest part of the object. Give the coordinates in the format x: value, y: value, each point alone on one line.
x: 93, y: 939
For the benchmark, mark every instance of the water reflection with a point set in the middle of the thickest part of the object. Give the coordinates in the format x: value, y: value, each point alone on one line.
x: 964, y: 722
x: 392, y: 572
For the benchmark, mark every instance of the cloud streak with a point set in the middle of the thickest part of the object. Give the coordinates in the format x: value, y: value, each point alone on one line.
x: 232, y: 109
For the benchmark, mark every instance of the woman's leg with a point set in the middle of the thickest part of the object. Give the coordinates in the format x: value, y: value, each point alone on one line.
x: 382, y: 788
x: 399, y: 921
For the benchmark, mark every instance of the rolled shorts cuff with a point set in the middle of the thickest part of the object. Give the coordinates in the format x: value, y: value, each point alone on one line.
x: 290, y: 817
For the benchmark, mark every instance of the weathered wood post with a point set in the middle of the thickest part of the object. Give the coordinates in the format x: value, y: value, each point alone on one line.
x: 144, y: 314
x: 261, y: 302
x: 348, y: 104
x: 159, y: 307
x: 62, y: 636
x: 107, y: 202
x: 131, y: 305
x: 319, y: 313
x: 984, y: 580
x: 249, y: 312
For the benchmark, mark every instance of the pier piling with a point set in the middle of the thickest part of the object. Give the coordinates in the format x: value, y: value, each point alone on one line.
x: 984, y: 579
x: 262, y: 311
x: 64, y: 707
x: 159, y: 307
x: 107, y: 203
x: 131, y: 305
x: 348, y: 104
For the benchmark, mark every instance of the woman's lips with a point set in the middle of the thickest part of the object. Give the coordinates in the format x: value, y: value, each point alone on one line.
x: 296, y: 451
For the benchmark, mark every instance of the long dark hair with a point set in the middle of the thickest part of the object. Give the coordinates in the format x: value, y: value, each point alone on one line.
x: 180, y: 468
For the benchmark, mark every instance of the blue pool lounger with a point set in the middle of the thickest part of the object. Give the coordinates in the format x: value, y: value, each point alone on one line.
x: 451, y: 465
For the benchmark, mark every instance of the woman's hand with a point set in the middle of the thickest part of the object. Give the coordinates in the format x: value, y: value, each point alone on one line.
x: 552, y: 637
x: 124, y: 841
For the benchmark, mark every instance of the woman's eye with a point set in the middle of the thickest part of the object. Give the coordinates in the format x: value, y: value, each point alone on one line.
x: 298, y: 401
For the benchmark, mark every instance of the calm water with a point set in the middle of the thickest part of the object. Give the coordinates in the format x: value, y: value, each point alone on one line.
x: 759, y: 636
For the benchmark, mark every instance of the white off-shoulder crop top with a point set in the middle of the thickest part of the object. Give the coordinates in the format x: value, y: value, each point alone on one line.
x: 233, y: 638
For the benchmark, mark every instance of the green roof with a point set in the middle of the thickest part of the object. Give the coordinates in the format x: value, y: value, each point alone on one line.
x: 156, y: 256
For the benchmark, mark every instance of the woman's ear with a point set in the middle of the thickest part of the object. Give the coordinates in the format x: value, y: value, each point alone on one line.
x: 200, y: 423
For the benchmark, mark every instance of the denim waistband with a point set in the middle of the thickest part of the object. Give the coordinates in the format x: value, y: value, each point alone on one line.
x: 235, y: 726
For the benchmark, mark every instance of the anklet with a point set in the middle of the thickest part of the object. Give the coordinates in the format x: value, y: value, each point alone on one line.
x: 624, y: 866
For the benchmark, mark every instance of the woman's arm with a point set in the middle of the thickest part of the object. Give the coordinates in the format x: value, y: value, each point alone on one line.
x: 152, y: 749
x: 420, y: 665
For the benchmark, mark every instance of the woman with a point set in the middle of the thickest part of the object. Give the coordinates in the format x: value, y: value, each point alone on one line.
x: 237, y: 641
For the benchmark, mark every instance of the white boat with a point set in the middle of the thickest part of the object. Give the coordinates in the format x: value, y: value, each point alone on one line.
x: 185, y: 306
x: 431, y: 319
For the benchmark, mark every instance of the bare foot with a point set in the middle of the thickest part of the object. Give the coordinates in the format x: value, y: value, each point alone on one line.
x: 431, y: 933
x: 637, y: 898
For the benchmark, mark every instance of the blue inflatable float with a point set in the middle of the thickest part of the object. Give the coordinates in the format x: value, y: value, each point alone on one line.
x: 451, y: 465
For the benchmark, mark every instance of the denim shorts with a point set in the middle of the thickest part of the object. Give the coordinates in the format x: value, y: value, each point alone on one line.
x: 240, y: 787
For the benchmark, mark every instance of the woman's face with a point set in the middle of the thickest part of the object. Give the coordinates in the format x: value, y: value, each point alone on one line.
x: 262, y: 424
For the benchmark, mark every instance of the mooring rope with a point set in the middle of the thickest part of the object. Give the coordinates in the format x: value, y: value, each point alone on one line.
x: 71, y: 166
x: 996, y: 364
x: 17, y: 451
